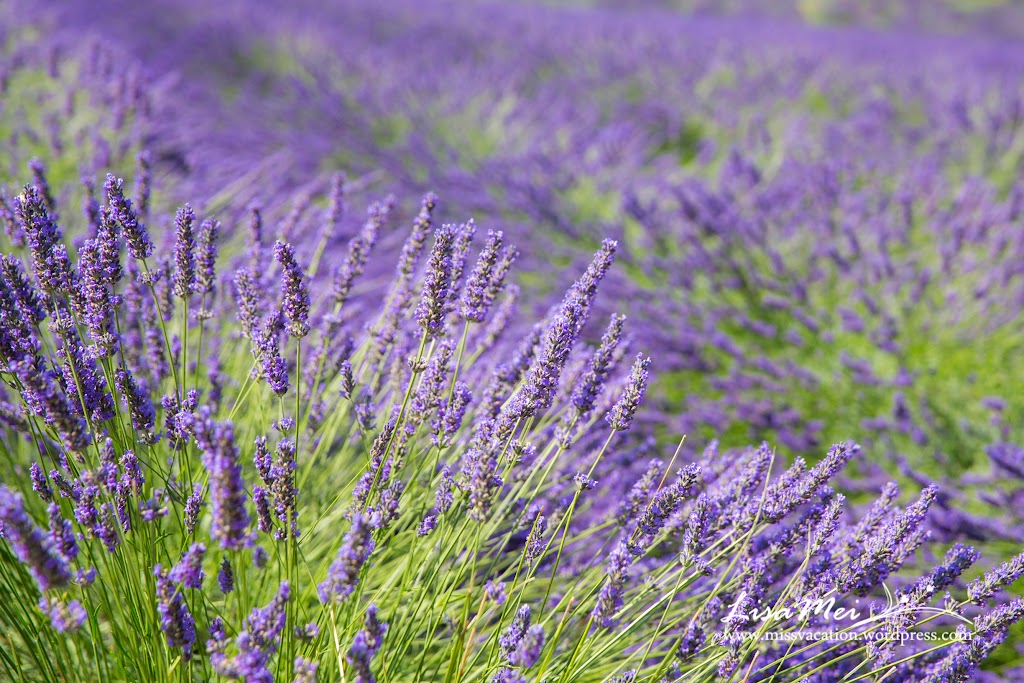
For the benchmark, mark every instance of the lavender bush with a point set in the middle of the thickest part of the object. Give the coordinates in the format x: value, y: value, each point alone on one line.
x: 409, y: 499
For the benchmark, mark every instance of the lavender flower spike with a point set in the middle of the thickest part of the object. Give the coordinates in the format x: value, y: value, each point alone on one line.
x: 621, y: 414
x: 189, y: 570
x: 294, y: 291
x: 206, y: 259
x: 176, y: 621
x: 121, y: 209
x: 359, y: 248
x: 476, y: 297
x: 436, y: 283
x: 366, y: 644
x: 227, y: 491
x: 184, y: 252
x: 586, y: 392
x: 355, y: 550
x: 31, y: 545
x: 136, y: 398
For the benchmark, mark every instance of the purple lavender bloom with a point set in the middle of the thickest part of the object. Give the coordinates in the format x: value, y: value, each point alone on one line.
x: 542, y: 381
x: 189, y: 570
x: 31, y: 545
x: 527, y: 653
x: 498, y: 274
x: 135, y: 397
x: 347, y: 381
x: 226, y: 577
x: 495, y: 592
x: 43, y: 397
x: 307, y: 632
x: 256, y: 644
x: 42, y: 235
x: 443, y: 497
x: 29, y: 301
x: 124, y: 214
x: 264, y: 516
x: 401, y: 293
x: 449, y: 418
x: 282, y: 485
x: 621, y: 415
x: 305, y: 670
x: 476, y: 297
x: 12, y: 226
x: 206, y: 258
x: 40, y: 183
x: 90, y: 206
x: 39, y: 483
x: 481, y: 484
x: 633, y: 503
x: 143, y: 182
x: 184, y: 252
x: 100, y: 300
x: 664, y: 504
x: 163, y: 283
x: 590, y: 385
x: 263, y: 460
x: 175, y: 618
x: 359, y: 249
x: 609, y: 600
x: 64, y: 616
x: 267, y: 350
x: 87, y: 385
x: 249, y: 301
x: 586, y: 287
x: 583, y: 482
x: 427, y: 525
x: 513, y: 636
x: 366, y: 645
x: 985, y: 586
x: 964, y: 658
x: 888, y: 547
x: 230, y: 517
x: 193, y: 506
x: 437, y: 281
x: 294, y: 291
x: 355, y: 550
x: 109, y: 249
x: 535, y: 546
x: 464, y: 235
x: 260, y: 557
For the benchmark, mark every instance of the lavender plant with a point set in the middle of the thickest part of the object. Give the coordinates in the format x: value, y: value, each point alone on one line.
x: 405, y: 496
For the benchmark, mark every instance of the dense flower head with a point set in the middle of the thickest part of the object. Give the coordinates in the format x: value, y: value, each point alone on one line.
x: 478, y: 296
x: 206, y: 258
x: 228, y: 499
x: 176, y: 619
x: 365, y: 645
x: 621, y: 415
x: 294, y: 291
x: 127, y: 218
x: 438, y: 279
x: 31, y: 545
x: 184, y: 252
x: 189, y: 570
x: 344, y: 572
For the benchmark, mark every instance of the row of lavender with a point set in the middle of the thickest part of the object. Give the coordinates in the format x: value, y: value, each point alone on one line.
x: 165, y: 420
x: 776, y: 322
x: 829, y: 218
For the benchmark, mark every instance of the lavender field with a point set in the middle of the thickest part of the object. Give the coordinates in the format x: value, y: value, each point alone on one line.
x: 561, y: 342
